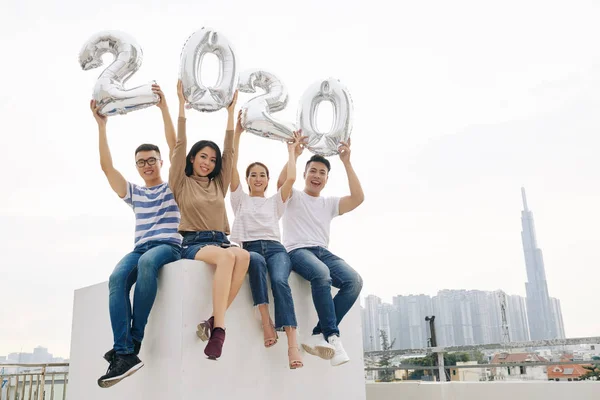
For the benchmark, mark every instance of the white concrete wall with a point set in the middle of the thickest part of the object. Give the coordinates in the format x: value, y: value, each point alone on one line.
x: 484, y: 391
x: 175, y: 365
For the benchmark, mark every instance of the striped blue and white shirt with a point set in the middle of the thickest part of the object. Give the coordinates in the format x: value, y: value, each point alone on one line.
x: 156, y: 213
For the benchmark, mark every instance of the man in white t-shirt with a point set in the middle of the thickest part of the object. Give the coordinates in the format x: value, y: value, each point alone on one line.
x: 306, y: 225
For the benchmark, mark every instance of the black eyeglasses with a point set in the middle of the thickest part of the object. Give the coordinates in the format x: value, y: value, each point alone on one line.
x: 141, y: 163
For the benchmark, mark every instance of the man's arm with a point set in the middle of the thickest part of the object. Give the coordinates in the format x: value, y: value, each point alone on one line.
x: 298, y: 152
x: 170, y: 135
x: 115, y: 179
x: 357, y: 196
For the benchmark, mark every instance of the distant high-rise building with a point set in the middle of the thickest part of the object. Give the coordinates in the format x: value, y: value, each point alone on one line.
x: 516, y: 313
x: 539, y: 308
x: 558, y: 319
x: 411, y: 312
x: 372, y: 325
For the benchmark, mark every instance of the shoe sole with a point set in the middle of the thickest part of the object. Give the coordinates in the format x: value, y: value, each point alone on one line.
x: 326, y: 353
x: 113, y: 381
x: 203, y: 331
x: 341, y: 363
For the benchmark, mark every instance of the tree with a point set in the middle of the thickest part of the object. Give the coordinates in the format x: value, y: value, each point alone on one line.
x: 593, y: 373
x: 385, y: 360
x: 430, y: 360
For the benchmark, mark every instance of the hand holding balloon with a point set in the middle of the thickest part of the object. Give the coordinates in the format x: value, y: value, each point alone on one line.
x: 162, y: 102
x: 100, y: 119
x: 296, y: 145
x: 344, y: 151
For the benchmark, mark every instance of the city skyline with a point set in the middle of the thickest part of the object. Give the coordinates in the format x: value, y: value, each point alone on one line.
x: 466, y: 317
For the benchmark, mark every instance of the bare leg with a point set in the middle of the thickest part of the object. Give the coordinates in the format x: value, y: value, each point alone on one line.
x: 240, y: 268
x: 294, y: 356
x: 224, y: 261
x: 269, y: 333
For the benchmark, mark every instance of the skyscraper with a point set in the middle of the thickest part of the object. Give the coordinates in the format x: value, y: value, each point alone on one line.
x: 539, y: 308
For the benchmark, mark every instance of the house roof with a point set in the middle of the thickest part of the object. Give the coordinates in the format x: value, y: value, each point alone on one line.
x: 502, y: 358
x: 566, y: 371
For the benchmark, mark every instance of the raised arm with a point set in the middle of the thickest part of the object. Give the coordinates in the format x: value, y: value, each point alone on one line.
x: 235, y: 176
x: 297, y: 153
x: 228, y: 150
x: 115, y: 179
x: 349, y: 203
x: 167, y: 121
x: 177, y: 171
x: 288, y: 183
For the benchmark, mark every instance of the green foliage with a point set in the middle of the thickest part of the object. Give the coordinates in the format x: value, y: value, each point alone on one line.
x: 385, y: 361
x: 593, y: 372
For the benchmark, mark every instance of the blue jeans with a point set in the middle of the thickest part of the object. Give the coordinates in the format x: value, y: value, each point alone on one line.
x: 194, y: 241
x: 140, y: 267
x: 324, y: 269
x: 269, y: 255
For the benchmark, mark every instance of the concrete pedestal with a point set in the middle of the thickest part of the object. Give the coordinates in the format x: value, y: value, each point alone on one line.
x: 175, y: 364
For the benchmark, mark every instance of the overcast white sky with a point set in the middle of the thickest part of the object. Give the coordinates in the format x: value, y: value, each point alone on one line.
x: 457, y: 105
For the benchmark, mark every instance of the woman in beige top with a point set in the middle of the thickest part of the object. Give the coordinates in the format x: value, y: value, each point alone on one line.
x: 199, y: 182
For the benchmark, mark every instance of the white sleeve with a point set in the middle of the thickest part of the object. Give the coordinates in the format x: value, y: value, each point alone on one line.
x: 334, y: 206
x: 280, y: 206
x: 236, y: 198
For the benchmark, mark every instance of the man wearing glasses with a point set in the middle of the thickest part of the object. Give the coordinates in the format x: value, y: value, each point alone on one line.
x: 157, y: 242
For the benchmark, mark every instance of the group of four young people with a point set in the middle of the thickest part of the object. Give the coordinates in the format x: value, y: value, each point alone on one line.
x: 186, y: 218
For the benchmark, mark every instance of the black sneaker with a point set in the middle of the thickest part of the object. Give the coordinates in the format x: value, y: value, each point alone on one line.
x: 121, y: 366
x: 111, y: 353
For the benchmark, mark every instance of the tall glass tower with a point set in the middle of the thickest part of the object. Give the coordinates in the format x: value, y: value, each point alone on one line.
x: 539, y: 307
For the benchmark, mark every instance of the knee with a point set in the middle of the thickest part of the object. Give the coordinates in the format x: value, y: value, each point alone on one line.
x: 256, y: 262
x: 321, y: 278
x: 116, y: 280
x: 279, y: 282
x: 355, y: 285
x: 226, y: 260
x: 242, y: 259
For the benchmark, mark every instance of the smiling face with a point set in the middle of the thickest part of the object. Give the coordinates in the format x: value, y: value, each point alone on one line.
x: 315, y: 178
x: 148, y: 165
x: 258, y: 180
x: 204, y: 162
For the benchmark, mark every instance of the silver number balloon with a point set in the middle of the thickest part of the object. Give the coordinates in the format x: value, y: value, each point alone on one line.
x: 326, y: 144
x: 256, y: 113
x: 109, y: 91
x: 197, y: 95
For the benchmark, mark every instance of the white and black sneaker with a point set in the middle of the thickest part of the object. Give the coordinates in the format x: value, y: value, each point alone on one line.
x: 121, y: 366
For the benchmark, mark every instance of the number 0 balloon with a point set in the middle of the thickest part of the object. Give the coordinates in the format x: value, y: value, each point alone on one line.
x: 326, y: 144
x: 109, y: 91
x: 198, y: 96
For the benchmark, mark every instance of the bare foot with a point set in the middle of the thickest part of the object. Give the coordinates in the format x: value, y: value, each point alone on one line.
x: 269, y: 334
x: 295, y: 358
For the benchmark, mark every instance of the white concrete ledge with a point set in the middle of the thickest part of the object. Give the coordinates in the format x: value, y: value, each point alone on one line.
x: 175, y: 365
x: 484, y: 390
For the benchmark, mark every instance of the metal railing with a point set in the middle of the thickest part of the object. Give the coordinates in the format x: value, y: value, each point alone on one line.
x: 33, y: 381
x: 371, y: 356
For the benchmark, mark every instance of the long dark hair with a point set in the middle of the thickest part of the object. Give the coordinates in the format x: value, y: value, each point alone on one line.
x: 254, y: 164
x: 189, y: 167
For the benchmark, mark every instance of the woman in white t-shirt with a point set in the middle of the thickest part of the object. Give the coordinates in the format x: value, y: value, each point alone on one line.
x: 256, y: 228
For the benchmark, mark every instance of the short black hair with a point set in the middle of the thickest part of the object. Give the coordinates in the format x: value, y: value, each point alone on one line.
x: 318, y: 158
x: 147, y: 147
x: 189, y: 167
